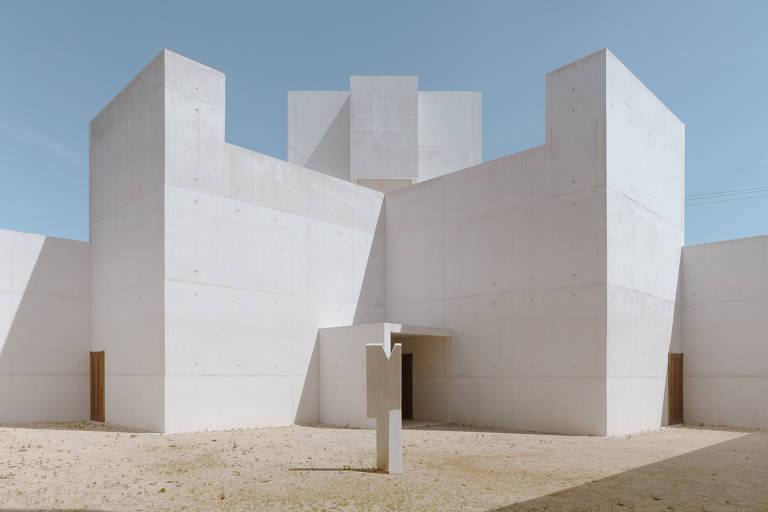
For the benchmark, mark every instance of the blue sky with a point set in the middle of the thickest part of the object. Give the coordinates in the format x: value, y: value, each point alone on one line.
x: 62, y: 62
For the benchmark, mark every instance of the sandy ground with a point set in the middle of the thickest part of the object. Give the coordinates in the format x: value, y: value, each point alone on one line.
x: 87, y: 466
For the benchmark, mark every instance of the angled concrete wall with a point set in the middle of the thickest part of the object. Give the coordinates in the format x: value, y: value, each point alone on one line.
x: 510, y: 256
x: 645, y: 159
x: 45, y: 316
x: 252, y: 275
x: 555, y: 268
x: 128, y: 159
x: 725, y: 333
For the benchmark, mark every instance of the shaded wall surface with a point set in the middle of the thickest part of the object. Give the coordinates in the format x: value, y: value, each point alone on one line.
x: 318, y: 131
x: 45, y: 314
x: 725, y: 332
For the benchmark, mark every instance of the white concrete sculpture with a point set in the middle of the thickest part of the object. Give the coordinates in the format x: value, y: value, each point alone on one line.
x: 383, y: 398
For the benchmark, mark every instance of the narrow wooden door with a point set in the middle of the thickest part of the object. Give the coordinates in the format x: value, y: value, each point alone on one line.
x: 675, y: 381
x: 407, y: 404
x: 97, y: 386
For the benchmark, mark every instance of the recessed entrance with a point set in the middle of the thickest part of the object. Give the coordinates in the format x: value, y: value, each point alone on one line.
x: 407, y: 387
x: 425, y: 389
x: 97, y: 386
x: 675, y: 382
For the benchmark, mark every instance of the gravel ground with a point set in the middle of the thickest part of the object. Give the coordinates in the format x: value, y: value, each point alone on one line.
x: 86, y: 466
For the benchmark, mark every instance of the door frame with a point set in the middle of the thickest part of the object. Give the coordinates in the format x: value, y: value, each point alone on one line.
x: 97, y: 386
x: 674, y: 386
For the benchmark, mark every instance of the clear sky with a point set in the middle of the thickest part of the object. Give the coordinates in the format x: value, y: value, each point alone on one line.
x: 62, y: 62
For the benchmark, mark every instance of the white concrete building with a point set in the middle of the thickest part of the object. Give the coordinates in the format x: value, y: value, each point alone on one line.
x: 540, y: 291
x: 384, y: 133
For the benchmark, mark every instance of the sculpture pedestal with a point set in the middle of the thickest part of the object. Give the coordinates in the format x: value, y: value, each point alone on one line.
x: 383, y: 380
x: 389, y: 442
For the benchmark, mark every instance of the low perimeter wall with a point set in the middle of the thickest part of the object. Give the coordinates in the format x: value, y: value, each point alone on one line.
x: 45, y: 316
x: 725, y: 333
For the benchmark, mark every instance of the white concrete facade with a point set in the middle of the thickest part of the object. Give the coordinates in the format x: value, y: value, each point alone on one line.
x: 341, y: 375
x: 45, y: 327
x: 384, y: 133
x: 231, y: 289
x: 127, y: 173
x: 725, y: 332
x: 645, y: 172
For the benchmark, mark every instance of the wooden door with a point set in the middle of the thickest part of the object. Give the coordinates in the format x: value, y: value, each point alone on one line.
x: 97, y: 386
x: 675, y: 381
x: 407, y: 387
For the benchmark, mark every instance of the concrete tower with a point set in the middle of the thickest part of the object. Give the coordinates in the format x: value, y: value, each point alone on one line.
x: 384, y: 133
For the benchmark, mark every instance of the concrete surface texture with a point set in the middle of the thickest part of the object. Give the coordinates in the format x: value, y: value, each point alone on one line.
x: 645, y: 170
x: 725, y: 332
x: 518, y: 258
x: 45, y: 327
x: 231, y: 289
x: 342, y: 378
x: 127, y: 208
x: 384, y: 133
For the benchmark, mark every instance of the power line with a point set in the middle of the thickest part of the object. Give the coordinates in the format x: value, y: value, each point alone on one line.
x: 728, y: 200
x: 729, y: 192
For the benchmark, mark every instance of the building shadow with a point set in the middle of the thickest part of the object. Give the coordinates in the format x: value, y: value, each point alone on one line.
x: 369, y: 308
x: 370, y: 302
x: 730, y: 475
x: 343, y: 469
x: 335, y: 138
x: 51, y: 510
x: 307, y: 411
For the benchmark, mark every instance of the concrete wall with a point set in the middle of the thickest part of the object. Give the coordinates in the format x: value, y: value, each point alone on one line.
x: 383, y: 126
x: 384, y: 129
x: 45, y: 316
x: 450, y: 132
x: 429, y: 373
x: 342, y: 374
x: 252, y: 274
x: 645, y: 154
x: 510, y: 256
x: 127, y: 166
x: 725, y: 333
x: 318, y: 131
x: 259, y: 254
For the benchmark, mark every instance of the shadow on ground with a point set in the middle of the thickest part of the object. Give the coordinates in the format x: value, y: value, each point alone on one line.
x: 732, y: 475
x: 356, y: 470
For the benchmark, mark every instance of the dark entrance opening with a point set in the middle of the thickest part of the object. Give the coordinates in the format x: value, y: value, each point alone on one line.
x: 407, y: 387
